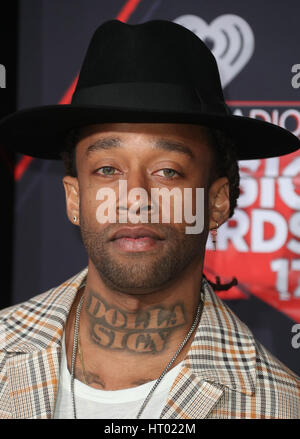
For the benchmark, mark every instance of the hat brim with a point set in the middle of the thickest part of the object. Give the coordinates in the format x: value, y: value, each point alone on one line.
x: 41, y: 131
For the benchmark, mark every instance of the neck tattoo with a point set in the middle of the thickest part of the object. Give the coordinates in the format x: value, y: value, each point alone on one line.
x: 76, y: 343
x: 146, y: 331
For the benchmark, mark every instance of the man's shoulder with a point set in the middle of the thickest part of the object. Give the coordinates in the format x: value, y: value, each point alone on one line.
x: 277, y: 388
x: 35, y: 301
x: 39, y: 321
x: 52, y: 295
x: 275, y: 384
x: 272, y: 372
x: 244, y: 364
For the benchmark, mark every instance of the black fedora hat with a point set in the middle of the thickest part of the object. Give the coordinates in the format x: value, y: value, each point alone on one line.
x: 156, y: 71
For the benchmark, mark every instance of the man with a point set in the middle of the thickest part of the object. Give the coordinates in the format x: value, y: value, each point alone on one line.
x: 140, y: 331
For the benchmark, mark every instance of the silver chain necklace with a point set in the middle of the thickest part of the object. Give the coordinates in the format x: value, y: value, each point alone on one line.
x: 75, y: 345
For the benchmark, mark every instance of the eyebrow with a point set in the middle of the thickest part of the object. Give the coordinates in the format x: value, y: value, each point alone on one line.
x: 108, y: 143
x: 104, y: 144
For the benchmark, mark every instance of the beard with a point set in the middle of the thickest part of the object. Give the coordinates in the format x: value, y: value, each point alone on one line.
x: 139, y: 272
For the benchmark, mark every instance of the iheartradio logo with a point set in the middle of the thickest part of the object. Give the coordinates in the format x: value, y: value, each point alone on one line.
x: 229, y: 37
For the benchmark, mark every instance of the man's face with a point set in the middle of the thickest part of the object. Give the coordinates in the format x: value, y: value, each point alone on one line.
x: 147, y: 156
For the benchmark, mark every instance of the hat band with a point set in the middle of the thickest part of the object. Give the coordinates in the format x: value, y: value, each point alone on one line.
x: 148, y: 96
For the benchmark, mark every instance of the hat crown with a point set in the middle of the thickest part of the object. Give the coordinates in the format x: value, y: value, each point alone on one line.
x: 157, y: 51
x: 154, y: 72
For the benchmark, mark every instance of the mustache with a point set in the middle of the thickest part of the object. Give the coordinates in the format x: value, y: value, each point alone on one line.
x: 167, y: 231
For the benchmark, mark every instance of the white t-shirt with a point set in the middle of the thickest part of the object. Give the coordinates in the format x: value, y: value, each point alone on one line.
x: 94, y: 403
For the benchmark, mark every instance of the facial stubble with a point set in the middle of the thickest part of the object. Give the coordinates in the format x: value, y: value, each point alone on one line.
x: 141, y: 272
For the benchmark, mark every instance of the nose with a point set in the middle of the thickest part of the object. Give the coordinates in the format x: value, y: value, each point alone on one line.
x: 137, y: 178
x: 137, y: 191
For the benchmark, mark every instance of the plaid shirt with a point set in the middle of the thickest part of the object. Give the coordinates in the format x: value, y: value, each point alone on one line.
x: 227, y: 373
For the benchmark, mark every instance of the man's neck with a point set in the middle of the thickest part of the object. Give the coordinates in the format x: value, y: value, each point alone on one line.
x: 128, y: 339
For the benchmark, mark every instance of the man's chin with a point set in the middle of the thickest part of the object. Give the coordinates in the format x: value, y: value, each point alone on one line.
x: 129, y: 282
x: 135, y: 273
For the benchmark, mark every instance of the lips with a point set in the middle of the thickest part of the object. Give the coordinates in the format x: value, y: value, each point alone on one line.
x: 135, y: 233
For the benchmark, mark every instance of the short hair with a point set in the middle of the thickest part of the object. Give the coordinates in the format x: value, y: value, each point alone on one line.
x: 225, y: 163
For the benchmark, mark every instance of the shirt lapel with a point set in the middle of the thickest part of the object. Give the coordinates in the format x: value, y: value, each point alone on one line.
x: 32, y: 366
x: 221, y: 355
x: 191, y: 397
x: 33, y: 381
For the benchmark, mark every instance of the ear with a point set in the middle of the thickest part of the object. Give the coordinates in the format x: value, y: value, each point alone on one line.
x: 219, y: 202
x: 72, y: 198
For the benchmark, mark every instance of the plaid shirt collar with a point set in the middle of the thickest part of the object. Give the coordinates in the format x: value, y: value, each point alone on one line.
x: 222, y: 352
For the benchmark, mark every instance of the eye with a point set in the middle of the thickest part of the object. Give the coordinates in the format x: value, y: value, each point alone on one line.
x: 169, y: 173
x: 106, y: 170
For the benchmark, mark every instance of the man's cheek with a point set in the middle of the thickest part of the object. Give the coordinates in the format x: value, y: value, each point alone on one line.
x: 106, y: 211
x: 88, y: 209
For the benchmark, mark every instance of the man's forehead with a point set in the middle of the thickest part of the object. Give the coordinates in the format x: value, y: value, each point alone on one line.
x: 155, y: 132
x: 162, y: 144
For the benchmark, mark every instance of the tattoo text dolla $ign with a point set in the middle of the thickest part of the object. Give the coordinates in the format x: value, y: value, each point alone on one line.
x: 147, y: 332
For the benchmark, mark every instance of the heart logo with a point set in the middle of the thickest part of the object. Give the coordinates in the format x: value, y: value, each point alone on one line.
x: 229, y: 37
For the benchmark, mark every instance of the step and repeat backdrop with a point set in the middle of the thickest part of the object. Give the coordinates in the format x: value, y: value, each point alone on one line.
x: 256, y: 45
